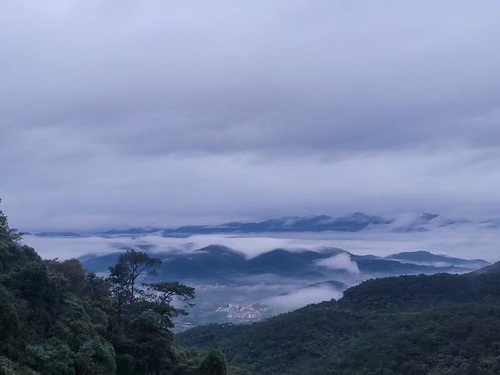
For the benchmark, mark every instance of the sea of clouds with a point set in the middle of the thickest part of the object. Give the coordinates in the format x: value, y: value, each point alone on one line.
x: 465, y: 241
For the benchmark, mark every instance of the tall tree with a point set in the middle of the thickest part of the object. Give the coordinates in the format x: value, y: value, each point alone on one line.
x: 119, y: 278
x: 124, y: 275
x: 143, y: 339
x: 7, y: 233
x: 160, y: 298
x: 132, y: 265
x: 213, y: 364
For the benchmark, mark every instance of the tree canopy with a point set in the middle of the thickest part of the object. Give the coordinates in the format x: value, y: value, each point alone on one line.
x: 58, y: 319
x: 440, y: 325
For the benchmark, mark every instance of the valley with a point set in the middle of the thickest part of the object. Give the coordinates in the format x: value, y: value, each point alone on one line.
x: 229, y: 285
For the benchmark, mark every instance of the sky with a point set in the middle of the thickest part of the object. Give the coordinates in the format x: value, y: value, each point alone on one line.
x: 164, y: 113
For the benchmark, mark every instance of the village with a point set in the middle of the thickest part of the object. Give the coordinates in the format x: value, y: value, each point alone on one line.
x: 243, y: 312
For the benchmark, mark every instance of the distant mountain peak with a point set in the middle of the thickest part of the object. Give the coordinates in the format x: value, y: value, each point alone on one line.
x: 426, y: 257
x: 428, y: 216
x: 328, y: 250
x: 224, y: 264
x: 354, y: 222
x: 220, y: 250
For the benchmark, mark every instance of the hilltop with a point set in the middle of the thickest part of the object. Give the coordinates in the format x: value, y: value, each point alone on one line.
x: 439, y: 324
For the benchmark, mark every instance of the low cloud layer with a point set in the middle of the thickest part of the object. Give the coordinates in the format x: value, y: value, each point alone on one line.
x: 170, y: 113
x: 301, y: 297
x: 464, y: 241
x: 340, y: 262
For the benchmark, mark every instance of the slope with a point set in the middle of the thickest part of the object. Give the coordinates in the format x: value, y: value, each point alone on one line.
x: 440, y: 324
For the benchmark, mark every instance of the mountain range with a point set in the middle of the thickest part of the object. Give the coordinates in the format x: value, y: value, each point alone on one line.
x: 318, y: 223
x: 223, y: 264
x: 354, y: 222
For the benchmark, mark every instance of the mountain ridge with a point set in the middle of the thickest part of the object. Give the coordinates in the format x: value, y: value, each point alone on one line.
x: 221, y: 263
x: 354, y: 222
x: 350, y: 223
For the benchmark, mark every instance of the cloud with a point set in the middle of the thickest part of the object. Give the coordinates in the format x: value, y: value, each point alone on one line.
x: 340, y: 262
x: 226, y: 80
x: 301, y: 297
x: 288, y: 77
x: 171, y: 113
x: 466, y: 240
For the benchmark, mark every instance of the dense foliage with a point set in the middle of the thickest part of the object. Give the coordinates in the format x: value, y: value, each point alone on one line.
x: 57, y: 319
x: 440, y: 324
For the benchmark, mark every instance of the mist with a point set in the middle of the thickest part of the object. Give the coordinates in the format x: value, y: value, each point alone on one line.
x: 341, y: 261
x: 465, y: 240
x: 301, y: 297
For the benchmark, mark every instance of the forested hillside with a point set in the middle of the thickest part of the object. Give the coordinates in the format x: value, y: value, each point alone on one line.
x: 440, y: 324
x: 57, y: 319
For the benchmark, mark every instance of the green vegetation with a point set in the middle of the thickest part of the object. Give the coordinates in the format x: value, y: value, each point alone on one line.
x: 440, y: 324
x: 57, y: 319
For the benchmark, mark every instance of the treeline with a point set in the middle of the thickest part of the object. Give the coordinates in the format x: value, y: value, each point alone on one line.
x: 57, y: 319
x: 415, y: 325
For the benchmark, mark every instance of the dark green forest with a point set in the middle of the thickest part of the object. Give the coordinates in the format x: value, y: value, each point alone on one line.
x: 412, y: 325
x: 58, y: 319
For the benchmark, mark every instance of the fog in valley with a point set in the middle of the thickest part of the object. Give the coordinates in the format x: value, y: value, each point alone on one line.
x: 269, y: 294
x: 464, y: 240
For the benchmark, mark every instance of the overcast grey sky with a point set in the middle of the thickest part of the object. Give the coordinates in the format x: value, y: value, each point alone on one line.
x: 126, y: 113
